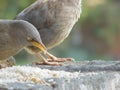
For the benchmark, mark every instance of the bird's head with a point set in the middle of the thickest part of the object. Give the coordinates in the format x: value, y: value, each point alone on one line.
x: 27, y: 35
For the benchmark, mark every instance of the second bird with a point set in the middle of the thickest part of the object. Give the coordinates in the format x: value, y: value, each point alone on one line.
x: 54, y: 19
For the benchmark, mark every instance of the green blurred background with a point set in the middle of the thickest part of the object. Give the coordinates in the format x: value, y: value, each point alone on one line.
x: 95, y: 36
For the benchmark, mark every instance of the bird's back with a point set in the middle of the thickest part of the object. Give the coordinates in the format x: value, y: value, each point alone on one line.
x: 53, y: 18
x: 8, y: 44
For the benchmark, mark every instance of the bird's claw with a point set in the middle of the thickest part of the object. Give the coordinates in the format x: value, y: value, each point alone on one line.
x: 61, y: 60
x: 49, y: 63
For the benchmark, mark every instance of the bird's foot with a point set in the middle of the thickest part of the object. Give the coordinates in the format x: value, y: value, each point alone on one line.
x: 55, y: 59
x: 48, y: 63
x: 8, y: 62
x: 45, y: 62
x: 60, y: 59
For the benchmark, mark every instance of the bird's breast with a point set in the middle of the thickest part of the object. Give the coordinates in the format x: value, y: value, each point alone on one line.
x: 55, y: 34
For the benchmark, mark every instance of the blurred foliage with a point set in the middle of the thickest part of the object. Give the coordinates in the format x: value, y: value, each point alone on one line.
x: 10, y: 8
x: 95, y: 36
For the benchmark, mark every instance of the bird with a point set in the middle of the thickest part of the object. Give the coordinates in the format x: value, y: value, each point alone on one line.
x: 54, y: 20
x: 15, y: 35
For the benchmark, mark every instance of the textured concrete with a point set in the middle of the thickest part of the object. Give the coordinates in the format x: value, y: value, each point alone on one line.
x: 93, y: 75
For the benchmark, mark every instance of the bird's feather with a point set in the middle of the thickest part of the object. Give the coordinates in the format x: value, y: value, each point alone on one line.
x: 54, y: 19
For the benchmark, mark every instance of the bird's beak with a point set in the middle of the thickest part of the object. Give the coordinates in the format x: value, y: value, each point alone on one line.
x: 39, y: 45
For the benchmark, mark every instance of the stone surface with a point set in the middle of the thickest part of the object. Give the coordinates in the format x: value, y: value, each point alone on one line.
x: 90, y: 75
x: 86, y: 66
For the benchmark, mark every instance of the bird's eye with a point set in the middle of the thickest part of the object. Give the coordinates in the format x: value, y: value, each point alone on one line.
x: 28, y: 38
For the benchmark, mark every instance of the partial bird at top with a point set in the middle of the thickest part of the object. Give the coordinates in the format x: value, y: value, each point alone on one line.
x: 54, y: 19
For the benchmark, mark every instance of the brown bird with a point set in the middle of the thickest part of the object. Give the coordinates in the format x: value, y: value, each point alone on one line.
x: 54, y: 20
x: 15, y: 35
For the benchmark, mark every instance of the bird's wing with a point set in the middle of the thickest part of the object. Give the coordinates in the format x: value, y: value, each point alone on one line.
x: 4, y: 36
x: 5, y: 40
x: 35, y: 14
x: 46, y: 13
x: 40, y: 15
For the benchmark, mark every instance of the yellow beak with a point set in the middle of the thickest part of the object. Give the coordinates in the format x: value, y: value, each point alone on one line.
x: 41, y: 46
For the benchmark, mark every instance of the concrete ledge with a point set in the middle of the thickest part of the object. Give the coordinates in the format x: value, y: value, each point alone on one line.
x: 85, y: 66
x: 86, y: 75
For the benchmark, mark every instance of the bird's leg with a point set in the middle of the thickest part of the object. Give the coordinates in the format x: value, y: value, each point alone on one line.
x: 45, y: 62
x: 55, y: 59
